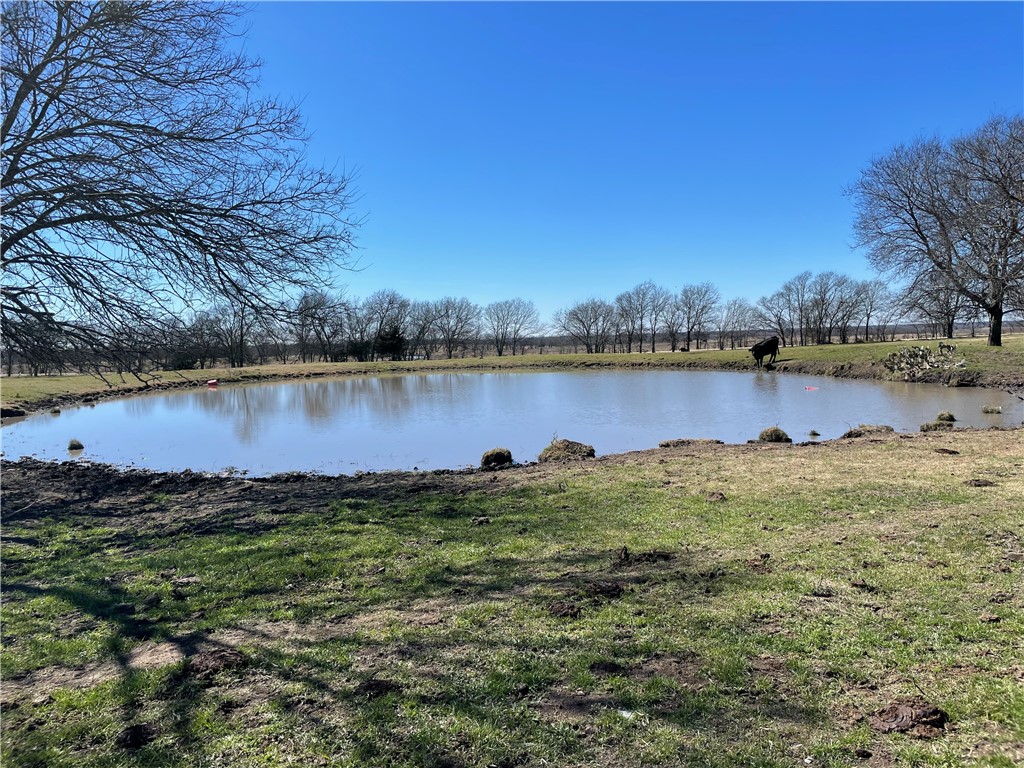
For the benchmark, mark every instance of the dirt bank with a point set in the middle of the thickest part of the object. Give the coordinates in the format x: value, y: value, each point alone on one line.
x: 31, y: 486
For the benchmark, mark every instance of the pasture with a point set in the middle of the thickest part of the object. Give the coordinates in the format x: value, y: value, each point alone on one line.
x: 704, y: 605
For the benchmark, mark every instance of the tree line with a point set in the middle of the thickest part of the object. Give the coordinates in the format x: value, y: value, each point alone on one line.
x: 321, y: 326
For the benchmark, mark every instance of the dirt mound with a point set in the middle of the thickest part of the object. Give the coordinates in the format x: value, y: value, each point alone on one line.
x: 601, y: 589
x: 496, y: 457
x: 203, y: 666
x: 375, y: 687
x: 625, y: 557
x: 566, y: 450
x: 683, y: 442
x: 914, y: 716
x: 774, y: 435
x: 864, y: 430
x: 564, y: 609
x: 136, y: 736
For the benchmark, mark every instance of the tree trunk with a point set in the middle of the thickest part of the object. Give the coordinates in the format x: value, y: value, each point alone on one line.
x: 995, y: 325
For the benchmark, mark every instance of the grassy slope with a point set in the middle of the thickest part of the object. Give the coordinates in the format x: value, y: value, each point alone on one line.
x: 881, y: 582
x: 999, y: 366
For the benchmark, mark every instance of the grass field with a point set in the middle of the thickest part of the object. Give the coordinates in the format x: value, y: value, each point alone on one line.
x: 698, y: 606
x: 992, y: 366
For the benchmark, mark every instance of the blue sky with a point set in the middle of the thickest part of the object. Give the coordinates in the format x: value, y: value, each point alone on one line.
x: 558, y: 151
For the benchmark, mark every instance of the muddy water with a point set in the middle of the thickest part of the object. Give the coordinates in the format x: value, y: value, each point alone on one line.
x: 433, y: 421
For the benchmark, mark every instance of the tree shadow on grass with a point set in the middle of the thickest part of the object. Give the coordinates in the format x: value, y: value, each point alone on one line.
x: 449, y: 662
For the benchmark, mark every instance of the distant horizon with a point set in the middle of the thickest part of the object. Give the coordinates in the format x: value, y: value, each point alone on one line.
x: 561, y: 151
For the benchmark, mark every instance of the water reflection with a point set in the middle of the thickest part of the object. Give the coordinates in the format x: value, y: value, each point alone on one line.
x: 449, y: 420
x: 767, y: 383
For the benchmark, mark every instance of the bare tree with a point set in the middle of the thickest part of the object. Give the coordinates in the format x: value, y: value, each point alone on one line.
x: 931, y: 298
x: 233, y: 323
x: 525, y: 322
x: 301, y: 321
x: 643, y: 296
x: 457, y: 323
x: 269, y: 340
x: 787, y: 311
x: 629, y: 317
x: 734, y: 323
x: 497, y: 324
x: 506, y: 322
x: 697, y: 304
x: 319, y: 324
x: 142, y: 171
x: 276, y: 337
x: 673, y: 322
x: 660, y: 301
x: 775, y: 312
x: 797, y: 294
x: 633, y: 311
x: 833, y: 301
x: 877, y: 301
x: 589, y: 323
x: 359, y: 326
x: 203, y: 338
x: 387, y: 311
x: 955, y: 208
x: 419, y: 328
x: 821, y: 295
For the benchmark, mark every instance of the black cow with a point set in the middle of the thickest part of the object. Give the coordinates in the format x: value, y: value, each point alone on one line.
x: 764, y: 348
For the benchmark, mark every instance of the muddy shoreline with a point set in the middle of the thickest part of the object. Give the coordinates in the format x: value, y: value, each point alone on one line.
x: 30, y: 483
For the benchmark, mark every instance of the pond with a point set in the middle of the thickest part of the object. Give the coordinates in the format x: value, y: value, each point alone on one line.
x: 447, y: 420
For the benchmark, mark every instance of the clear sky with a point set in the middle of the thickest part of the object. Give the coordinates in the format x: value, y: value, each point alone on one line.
x: 558, y: 151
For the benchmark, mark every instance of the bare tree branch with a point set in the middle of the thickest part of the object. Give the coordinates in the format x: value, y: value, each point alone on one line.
x: 953, y: 209
x: 142, y: 172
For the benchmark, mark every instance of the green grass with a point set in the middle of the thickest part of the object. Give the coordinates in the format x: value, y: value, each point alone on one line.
x: 879, y: 583
x: 992, y: 365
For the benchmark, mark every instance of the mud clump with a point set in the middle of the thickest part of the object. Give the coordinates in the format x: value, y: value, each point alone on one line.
x: 204, y: 666
x: 564, y: 609
x: 760, y: 564
x: 566, y: 450
x: 496, y: 457
x: 773, y: 435
x: 376, y: 687
x: 624, y: 557
x: 914, y: 716
x: 864, y: 430
x: 597, y: 590
x: 135, y: 736
x: 683, y: 442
